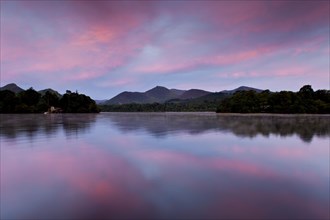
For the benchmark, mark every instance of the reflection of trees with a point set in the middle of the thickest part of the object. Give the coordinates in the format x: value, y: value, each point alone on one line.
x: 160, y: 124
x: 12, y: 125
x: 74, y: 124
x: 303, y: 126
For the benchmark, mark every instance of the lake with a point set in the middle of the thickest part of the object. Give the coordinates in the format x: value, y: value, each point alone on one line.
x: 164, y: 166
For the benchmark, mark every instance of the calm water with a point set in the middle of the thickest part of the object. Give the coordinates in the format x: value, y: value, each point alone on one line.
x: 169, y: 166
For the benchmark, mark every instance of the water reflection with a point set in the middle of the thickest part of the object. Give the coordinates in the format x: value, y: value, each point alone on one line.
x: 13, y: 126
x: 241, y: 125
x: 163, y: 124
x: 91, y: 183
x: 145, y: 166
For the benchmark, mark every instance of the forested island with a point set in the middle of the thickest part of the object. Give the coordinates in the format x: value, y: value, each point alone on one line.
x: 305, y: 101
x: 31, y: 101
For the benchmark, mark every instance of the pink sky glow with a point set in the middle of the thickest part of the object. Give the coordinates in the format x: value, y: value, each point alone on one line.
x: 102, y: 48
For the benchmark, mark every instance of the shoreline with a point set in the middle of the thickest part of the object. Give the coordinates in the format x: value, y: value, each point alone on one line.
x: 218, y: 114
x: 184, y: 113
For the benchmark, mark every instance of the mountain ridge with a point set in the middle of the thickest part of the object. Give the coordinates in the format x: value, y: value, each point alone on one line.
x: 161, y: 94
x: 157, y: 94
x: 242, y: 88
x: 193, y: 93
x: 13, y: 87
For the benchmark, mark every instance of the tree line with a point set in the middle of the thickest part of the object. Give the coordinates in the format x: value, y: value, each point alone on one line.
x: 204, y: 106
x: 306, y: 100
x: 31, y: 101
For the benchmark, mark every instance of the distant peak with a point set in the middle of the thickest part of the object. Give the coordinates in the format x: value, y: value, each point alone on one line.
x: 12, y: 87
x: 244, y: 87
x: 48, y: 89
x: 158, y: 88
x: 11, y: 84
x: 197, y: 90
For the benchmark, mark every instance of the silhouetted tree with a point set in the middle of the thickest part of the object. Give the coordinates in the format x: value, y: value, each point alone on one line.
x: 8, y: 101
x: 30, y: 101
x: 77, y: 103
x: 29, y: 97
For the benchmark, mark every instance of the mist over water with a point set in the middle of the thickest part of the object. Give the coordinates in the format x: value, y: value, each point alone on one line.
x: 164, y: 165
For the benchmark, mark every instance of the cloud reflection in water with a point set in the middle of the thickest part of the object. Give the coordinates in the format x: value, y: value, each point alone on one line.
x: 153, y: 166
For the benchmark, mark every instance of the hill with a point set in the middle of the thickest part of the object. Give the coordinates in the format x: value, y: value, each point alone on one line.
x: 160, y: 94
x: 157, y: 94
x: 177, y: 92
x: 16, y: 89
x: 12, y: 87
x: 128, y: 97
x: 193, y: 93
x: 242, y: 88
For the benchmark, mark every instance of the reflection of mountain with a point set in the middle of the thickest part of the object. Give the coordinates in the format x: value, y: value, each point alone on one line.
x: 12, y: 126
x: 160, y: 124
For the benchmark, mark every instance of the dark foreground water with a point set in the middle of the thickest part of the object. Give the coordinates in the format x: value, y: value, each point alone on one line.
x: 164, y: 166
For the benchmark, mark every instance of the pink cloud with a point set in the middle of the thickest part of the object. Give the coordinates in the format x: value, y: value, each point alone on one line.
x: 170, y: 65
x: 87, y: 51
x: 277, y: 72
x: 87, y: 47
x: 117, y: 82
x: 94, y: 36
x: 82, y: 76
x: 93, y: 41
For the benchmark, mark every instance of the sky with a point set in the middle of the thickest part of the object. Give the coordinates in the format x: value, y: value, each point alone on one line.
x: 102, y: 48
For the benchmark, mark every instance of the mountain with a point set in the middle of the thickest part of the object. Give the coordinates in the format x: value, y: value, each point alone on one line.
x: 242, y: 88
x: 158, y: 94
x: 193, y: 93
x: 16, y: 89
x: 177, y: 92
x: 162, y: 94
x: 212, y: 97
x: 43, y: 92
x: 128, y: 97
x: 12, y: 87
